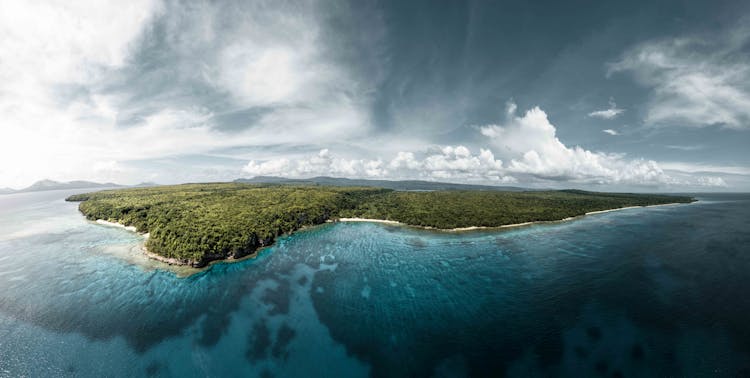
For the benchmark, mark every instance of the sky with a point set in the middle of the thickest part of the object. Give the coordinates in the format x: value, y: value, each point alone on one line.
x: 600, y: 95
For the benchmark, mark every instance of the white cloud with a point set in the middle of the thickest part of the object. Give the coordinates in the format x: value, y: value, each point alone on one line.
x: 711, y: 182
x: 66, y: 42
x: 610, y: 132
x: 445, y: 163
x: 45, y: 46
x: 531, y: 144
x: 696, y: 81
x: 276, y: 167
x: 450, y: 163
x: 110, y: 166
x: 610, y: 113
x: 270, y: 56
x: 322, y: 164
x: 684, y: 148
x: 706, y: 168
x: 273, y: 55
x: 528, y: 144
x: 606, y: 114
x: 267, y: 56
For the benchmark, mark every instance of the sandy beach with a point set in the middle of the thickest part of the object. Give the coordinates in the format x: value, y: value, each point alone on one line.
x: 176, y: 262
x: 473, y: 228
x: 113, y: 224
x: 368, y: 220
x: 610, y: 210
x: 632, y: 207
x: 145, y: 236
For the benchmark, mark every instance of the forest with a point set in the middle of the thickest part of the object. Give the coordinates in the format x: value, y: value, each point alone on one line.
x: 198, y: 223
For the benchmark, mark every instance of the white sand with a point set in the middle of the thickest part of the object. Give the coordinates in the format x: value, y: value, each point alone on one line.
x: 172, y: 261
x: 368, y: 220
x: 113, y: 224
x: 630, y: 207
x: 607, y: 211
x: 517, y: 224
x: 459, y: 229
x: 145, y: 251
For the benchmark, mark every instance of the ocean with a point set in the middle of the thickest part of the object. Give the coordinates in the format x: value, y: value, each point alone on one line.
x: 659, y: 291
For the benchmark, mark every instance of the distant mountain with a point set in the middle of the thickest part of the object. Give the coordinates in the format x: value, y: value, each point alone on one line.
x: 145, y: 184
x: 396, y: 185
x: 43, y: 185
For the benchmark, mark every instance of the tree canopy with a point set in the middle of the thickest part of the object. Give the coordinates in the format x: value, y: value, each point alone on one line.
x: 198, y: 223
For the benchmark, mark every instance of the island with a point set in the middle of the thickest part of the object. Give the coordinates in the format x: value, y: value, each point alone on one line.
x: 194, y: 224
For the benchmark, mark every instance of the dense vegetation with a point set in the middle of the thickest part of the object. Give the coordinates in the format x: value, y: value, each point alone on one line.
x: 198, y: 223
x: 456, y: 209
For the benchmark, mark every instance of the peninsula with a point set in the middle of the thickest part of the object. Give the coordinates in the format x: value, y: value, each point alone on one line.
x: 194, y: 224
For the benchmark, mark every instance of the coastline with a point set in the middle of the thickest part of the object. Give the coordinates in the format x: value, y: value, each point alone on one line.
x: 160, y: 258
x: 181, y: 263
x: 636, y: 207
x: 367, y: 220
x: 146, y: 252
x: 170, y: 261
x: 115, y: 224
x: 513, y: 225
x: 621, y: 208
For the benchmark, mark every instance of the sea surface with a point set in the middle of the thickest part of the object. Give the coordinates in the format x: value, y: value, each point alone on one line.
x: 660, y: 291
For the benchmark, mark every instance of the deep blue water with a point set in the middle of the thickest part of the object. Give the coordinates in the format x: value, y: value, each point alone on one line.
x: 662, y: 291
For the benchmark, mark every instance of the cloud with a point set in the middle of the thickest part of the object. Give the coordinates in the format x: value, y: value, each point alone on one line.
x: 50, y: 52
x: 694, y: 168
x: 711, y: 182
x: 66, y: 42
x: 610, y: 113
x: 192, y: 91
x: 449, y: 163
x: 684, y: 148
x: 150, y: 80
x: 321, y: 164
x: 531, y: 145
x: 695, y: 81
x: 273, y: 59
x: 110, y: 166
x: 610, y: 132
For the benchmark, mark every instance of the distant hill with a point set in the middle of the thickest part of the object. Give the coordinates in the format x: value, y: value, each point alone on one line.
x: 56, y: 185
x: 145, y: 184
x: 44, y: 185
x: 388, y: 184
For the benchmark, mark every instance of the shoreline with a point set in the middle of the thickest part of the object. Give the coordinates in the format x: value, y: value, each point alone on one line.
x: 160, y: 258
x: 118, y: 225
x: 144, y: 250
x: 371, y: 220
x: 512, y: 225
x: 173, y: 262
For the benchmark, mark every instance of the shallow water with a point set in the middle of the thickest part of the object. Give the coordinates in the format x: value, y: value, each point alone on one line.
x: 640, y: 292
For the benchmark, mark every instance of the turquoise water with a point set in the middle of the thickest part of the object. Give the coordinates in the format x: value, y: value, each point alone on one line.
x: 659, y: 291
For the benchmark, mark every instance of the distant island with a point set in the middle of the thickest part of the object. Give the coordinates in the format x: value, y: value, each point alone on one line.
x: 194, y: 224
x: 44, y: 185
